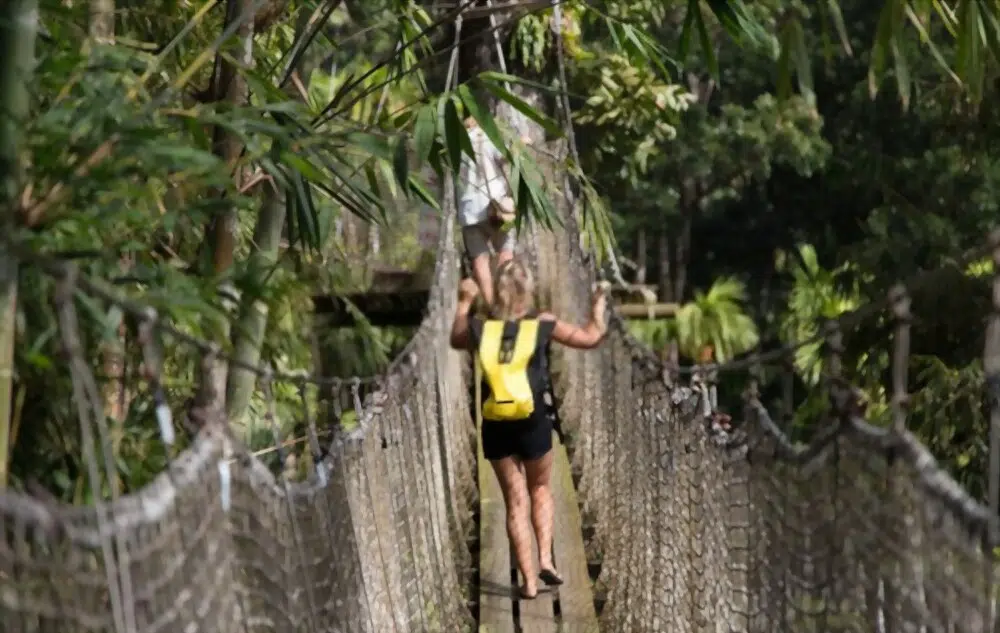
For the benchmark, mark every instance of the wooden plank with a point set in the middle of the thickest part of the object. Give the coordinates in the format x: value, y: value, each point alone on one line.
x: 407, y: 307
x: 646, y: 311
x: 400, y: 308
x: 576, y: 598
x: 496, y: 604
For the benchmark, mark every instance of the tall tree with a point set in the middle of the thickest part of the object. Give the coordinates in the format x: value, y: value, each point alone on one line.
x: 18, y: 29
x: 229, y: 87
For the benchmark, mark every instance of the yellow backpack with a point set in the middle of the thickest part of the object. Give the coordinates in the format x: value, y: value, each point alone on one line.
x: 511, y: 397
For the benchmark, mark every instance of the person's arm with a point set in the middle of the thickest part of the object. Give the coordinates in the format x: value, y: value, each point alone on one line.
x: 571, y: 335
x: 460, y: 326
x: 467, y: 292
x: 586, y: 337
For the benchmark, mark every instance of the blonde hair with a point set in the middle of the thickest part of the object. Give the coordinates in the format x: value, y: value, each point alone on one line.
x: 515, y: 291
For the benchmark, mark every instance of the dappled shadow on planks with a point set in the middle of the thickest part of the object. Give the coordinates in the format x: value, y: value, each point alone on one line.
x: 566, y: 609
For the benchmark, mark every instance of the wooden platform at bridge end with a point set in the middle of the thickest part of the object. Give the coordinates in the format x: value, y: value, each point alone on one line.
x: 500, y: 611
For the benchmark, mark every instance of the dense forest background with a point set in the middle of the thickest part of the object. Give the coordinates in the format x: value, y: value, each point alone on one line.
x: 227, y: 170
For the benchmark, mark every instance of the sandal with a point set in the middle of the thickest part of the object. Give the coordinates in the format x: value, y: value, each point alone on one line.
x: 521, y: 591
x: 550, y: 577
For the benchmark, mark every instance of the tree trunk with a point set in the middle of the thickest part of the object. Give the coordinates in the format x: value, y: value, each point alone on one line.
x: 102, y: 20
x: 682, y: 255
x: 689, y: 205
x: 114, y: 389
x: 248, y: 336
x: 641, y: 251
x: 17, y: 60
x: 349, y: 232
x: 665, y: 288
x: 228, y: 87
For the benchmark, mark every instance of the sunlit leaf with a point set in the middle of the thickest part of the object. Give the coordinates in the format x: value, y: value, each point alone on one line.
x: 424, y: 130
x: 452, y: 131
x: 707, y: 49
x: 551, y: 127
x: 482, y: 116
x: 803, y: 64
x: 400, y: 164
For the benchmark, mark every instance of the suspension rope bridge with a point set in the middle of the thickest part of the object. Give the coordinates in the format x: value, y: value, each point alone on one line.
x: 669, y: 518
x: 689, y: 524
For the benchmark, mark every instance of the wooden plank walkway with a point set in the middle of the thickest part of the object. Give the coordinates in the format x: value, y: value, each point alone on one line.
x: 499, y: 609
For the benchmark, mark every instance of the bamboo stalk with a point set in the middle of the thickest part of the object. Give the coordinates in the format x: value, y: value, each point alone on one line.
x: 18, y: 30
x: 647, y: 311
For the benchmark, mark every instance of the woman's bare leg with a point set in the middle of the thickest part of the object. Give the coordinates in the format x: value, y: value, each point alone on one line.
x: 538, y: 472
x: 515, y: 496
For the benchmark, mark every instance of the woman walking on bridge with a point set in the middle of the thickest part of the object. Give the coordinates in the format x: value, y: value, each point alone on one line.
x: 511, y: 347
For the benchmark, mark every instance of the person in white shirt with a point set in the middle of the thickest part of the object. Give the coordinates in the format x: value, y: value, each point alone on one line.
x: 481, y: 183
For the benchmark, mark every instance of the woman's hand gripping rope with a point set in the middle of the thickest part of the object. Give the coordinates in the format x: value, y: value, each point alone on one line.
x: 599, y: 306
x: 468, y: 290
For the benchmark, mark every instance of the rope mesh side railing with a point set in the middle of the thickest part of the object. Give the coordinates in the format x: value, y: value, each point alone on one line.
x: 374, y: 540
x: 699, y: 526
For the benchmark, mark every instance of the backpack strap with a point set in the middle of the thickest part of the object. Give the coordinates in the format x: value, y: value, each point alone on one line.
x: 552, y: 410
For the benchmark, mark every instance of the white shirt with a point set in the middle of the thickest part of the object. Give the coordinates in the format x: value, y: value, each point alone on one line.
x: 480, y: 181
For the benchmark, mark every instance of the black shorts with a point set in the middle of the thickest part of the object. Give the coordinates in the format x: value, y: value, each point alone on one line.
x: 526, y: 439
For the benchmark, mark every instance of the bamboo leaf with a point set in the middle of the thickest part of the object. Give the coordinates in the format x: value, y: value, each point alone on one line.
x: 291, y: 219
x: 991, y: 27
x: 687, y: 30
x: 483, y: 117
x: 522, y: 106
x: 389, y: 177
x: 803, y: 64
x: 301, y: 165
x: 400, y: 165
x: 918, y: 24
x: 837, y: 17
x: 422, y: 194
x: 463, y: 136
x: 736, y: 20
x: 424, y: 129
x: 373, y: 144
x: 883, y: 37
x: 784, y: 83
x: 372, y: 177
x: 902, y: 76
x: 453, y: 129
x: 706, y: 44
x: 305, y: 213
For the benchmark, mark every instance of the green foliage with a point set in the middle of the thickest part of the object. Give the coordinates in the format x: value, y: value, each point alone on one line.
x: 656, y: 334
x: 716, y: 319
x: 713, y: 159
x: 629, y: 112
x: 948, y: 413
x: 123, y: 171
x: 816, y: 296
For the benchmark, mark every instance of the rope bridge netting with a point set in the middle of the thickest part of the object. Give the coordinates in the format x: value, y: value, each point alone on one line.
x: 697, y: 525
x: 373, y: 541
x: 703, y: 525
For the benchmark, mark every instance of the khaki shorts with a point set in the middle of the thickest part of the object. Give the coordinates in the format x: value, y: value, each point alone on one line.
x: 479, y: 237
